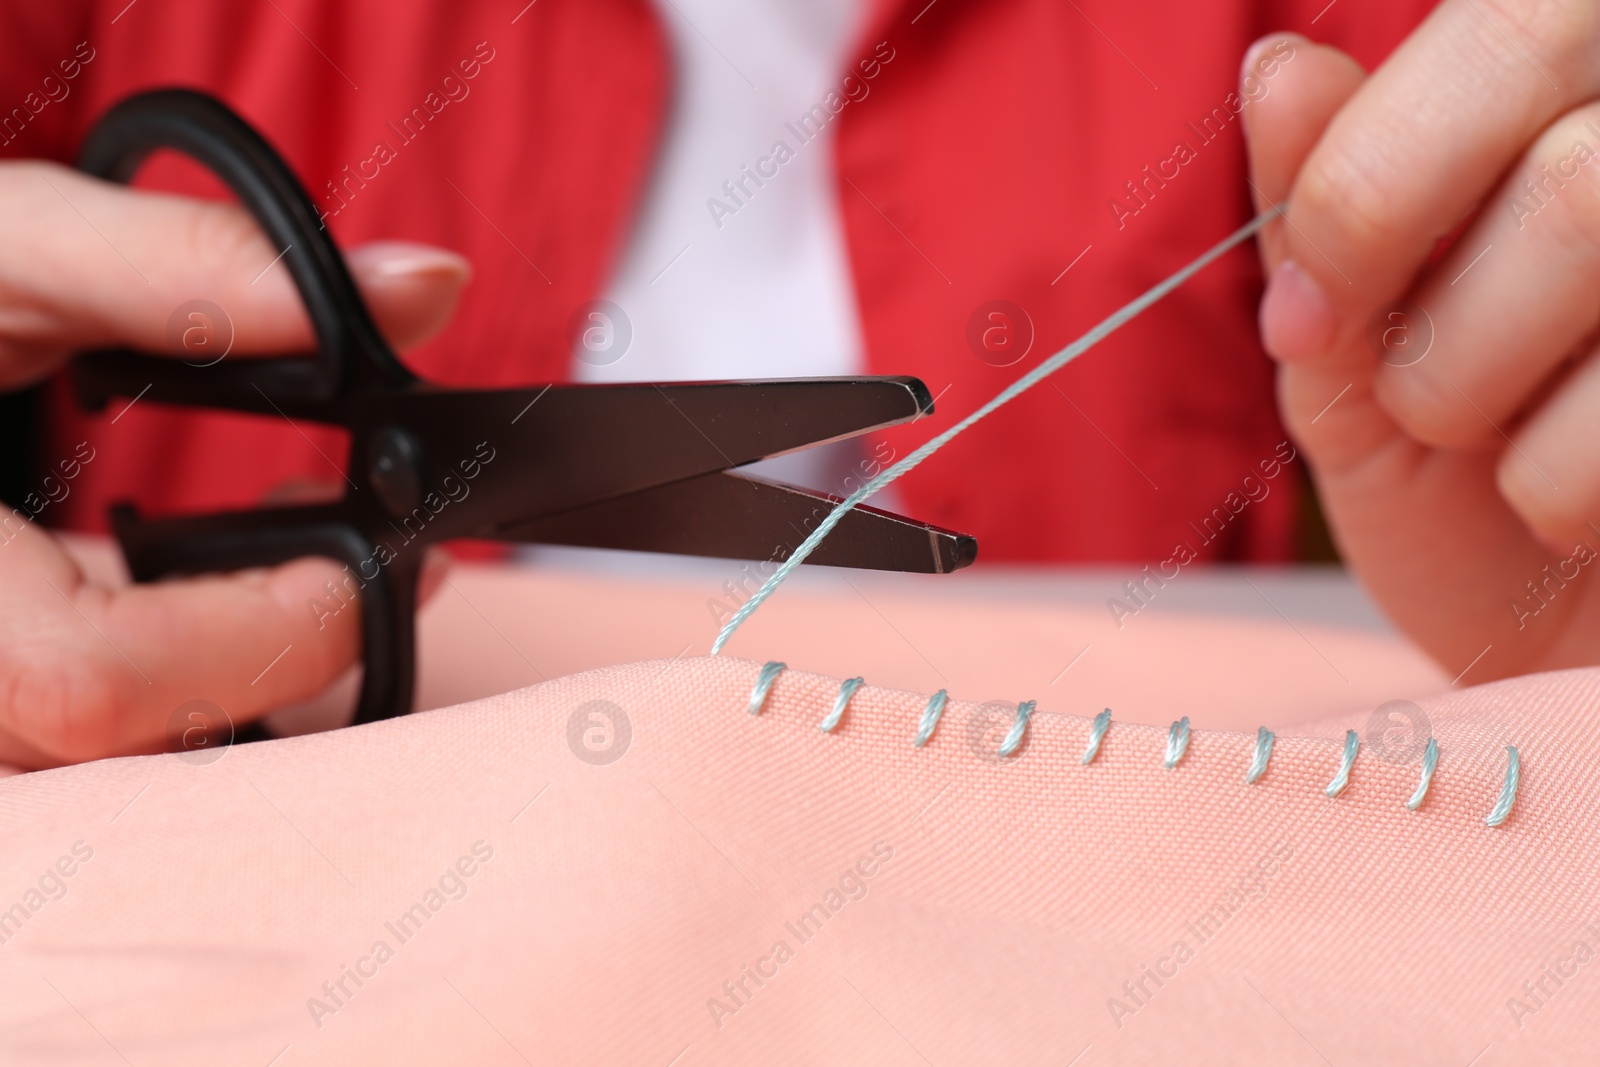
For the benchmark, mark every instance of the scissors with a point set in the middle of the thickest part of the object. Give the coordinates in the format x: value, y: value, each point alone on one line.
x: 644, y: 467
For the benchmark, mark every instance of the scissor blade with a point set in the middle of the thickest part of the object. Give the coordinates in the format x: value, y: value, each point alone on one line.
x: 737, y: 516
x: 566, y: 446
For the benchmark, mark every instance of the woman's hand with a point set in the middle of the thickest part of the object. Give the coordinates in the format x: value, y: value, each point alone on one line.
x: 87, y: 671
x: 1449, y: 404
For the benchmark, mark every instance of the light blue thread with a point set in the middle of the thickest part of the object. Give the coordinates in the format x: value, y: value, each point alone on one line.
x: 1105, y: 328
x: 1177, y: 742
x: 764, y: 680
x: 1258, y: 762
x: 930, y: 716
x: 1351, y: 742
x: 1097, y: 733
x: 1508, y: 794
x: 1430, y: 760
x: 846, y: 691
x: 1019, y: 727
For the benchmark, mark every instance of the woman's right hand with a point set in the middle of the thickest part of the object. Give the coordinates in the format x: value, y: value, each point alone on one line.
x: 89, y: 671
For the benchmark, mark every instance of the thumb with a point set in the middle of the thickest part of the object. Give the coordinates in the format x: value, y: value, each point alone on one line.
x: 89, y: 671
x: 98, y: 671
x: 90, y: 263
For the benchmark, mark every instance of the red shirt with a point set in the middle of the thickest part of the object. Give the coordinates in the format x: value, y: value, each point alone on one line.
x: 1006, y: 141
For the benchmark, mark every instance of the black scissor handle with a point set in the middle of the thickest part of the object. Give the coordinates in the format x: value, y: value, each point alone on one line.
x: 352, y: 359
x: 158, y: 547
x: 351, y: 353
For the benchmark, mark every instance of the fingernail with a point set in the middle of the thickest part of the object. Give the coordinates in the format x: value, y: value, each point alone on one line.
x: 389, y: 259
x: 1529, y: 493
x: 1252, y: 55
x: 1297, y: 319
x: 1257, y: 70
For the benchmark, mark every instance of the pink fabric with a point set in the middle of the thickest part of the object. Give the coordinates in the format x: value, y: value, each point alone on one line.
x: 996, y: 909
x: 494, y: 628
x: 497, y: 628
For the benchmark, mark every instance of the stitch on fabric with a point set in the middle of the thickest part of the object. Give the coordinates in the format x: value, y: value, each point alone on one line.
x: 1177, y: 742
x: 930, y: 717
x: 1097, y: 733
x: 1508, y: 792
x: 1258, y: 762
x: 846, y: 691
x: 764, y: 680
x: 1018, y: 727
x: 1178, y: 735
x: 1430, y: 760
x: 1342, y: 779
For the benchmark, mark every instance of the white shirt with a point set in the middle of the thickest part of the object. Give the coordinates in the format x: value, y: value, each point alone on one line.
x: 760, y: 286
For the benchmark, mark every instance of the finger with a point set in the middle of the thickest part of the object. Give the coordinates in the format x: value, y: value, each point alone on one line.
x: 411, y: 288
x: 90, y: 263
x: 109, y: 673
x: 1549, y: 474
x: 1418, y: 146
x: 1329, y: 406
x: 434, y: 573
x: 1311, y: 83
x: 1512, y: 299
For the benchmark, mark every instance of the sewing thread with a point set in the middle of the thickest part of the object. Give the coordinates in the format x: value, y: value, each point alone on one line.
x: 1351, y: 742
x: 1430, y: 760
x: 1508, y: 792
x: 1100, y: 332
x: 930, y: 717
x: 1097, y: 733
x: 1258, y: 762
x: 1019, y: 727
x: 846, y: 690
x: 1177, y: 742
x: 769, y: 674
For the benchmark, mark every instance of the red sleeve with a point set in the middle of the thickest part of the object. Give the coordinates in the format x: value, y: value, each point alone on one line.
x: 46, y: 56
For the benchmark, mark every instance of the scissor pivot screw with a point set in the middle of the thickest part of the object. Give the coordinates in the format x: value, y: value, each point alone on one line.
x: 395, y: 472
